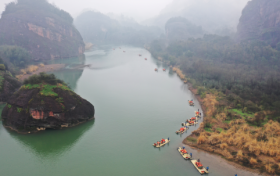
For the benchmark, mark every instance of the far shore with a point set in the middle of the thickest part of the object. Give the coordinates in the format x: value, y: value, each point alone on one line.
x: 46, y: 68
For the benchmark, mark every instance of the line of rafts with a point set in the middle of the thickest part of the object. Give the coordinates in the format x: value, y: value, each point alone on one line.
x: 189, y: 122
x: 197, y: 164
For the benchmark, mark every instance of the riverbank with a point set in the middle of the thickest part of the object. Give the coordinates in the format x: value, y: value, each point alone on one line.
x: 45, y: 68
x: 220, y: 155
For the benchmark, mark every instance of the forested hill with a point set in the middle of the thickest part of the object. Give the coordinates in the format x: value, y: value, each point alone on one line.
x: 41, y: 28
x: 247, y: 72
x: 98, y: 28
x: 179, y: 28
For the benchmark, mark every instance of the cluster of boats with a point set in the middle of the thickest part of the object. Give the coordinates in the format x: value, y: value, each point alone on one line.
x: 197, y: 164
x: 182, y: 150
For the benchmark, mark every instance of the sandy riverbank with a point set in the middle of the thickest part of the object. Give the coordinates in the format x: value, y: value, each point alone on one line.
x: 46, y: 68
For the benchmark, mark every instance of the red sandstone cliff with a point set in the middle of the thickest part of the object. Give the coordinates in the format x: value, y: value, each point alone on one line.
x: 44, y: 30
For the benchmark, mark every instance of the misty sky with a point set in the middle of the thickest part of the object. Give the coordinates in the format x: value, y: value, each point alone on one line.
x: 138, y: 9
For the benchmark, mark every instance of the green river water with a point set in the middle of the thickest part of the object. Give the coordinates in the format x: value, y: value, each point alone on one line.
x: 135, y: 106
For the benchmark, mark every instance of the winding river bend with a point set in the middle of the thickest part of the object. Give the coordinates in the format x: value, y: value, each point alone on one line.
x: 135, y: 106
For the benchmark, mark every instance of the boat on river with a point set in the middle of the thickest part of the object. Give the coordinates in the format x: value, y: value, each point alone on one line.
x: 197, y: 113
x: 189, y: 123
x: 184, y: 153
x: 191, y: 103
x: 182, y: 130
x: 199, y: 167
x: 156, y: 69
x: 163, y: 69
x: 161, y: 144
x: 145, y: 58
x: 140, y: 55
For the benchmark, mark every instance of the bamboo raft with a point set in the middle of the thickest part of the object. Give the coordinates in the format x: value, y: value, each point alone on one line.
x: 162, y: 144
x: 186, y: 156
x: 189, y: 124
x: 195, y: 112
x: 181, y: 132
x: 201, y: 171
x: 191, y: 104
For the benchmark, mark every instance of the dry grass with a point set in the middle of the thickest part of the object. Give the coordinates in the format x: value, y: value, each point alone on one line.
x: 179, y: 73
x: 42, y: 65
x: 223, y: 146
x: 269, y: 169
x: 263, y: 143
x: 253, y: 161
x: 239, y: 154
x: 201, y: 139
x: 19, y: 76
x: 31, y: 68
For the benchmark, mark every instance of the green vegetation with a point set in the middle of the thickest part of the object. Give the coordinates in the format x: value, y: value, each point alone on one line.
x: 9, y: 106
x: 247, y: 74
x: 19, y: 109
x: 18, y: 56
x: 191, y: 139
x: 2, y: 67
x: 219, y: 129
x: 47, y: 90
x: 46, y: 83
x: 241, y: 113
x: 43, y: 78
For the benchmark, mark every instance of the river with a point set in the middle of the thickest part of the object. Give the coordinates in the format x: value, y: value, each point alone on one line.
x: 135, y: 107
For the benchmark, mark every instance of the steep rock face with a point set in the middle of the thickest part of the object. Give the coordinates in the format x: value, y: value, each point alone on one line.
x: 260, y: 20
x: 44, y: 30
x: 179, y: 28
x: 43, y: 106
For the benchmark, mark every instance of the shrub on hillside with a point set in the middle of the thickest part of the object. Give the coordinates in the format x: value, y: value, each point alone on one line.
x: 18, y: 56
x: 2, y: 67
x: 43, y: 78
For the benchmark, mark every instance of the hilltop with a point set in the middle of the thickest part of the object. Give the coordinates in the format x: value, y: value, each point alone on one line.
x: 44, y: 30
x: 44, y: 102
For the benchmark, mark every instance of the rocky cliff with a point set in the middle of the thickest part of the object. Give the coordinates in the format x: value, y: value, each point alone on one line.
x: 260, y: 20
x: 44, y: 30
x: 44, y: 102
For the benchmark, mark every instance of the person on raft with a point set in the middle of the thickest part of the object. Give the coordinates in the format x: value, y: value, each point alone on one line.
x: 184, y: 151
x: 182, y: 129
x: 162, y: 140
x: 158, y: 143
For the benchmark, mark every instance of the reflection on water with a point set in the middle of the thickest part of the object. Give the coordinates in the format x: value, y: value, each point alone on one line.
x: 45, y: 144
x: 69, y: 76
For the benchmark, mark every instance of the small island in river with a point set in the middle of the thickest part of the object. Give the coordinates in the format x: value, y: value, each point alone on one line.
x: 44, y: 102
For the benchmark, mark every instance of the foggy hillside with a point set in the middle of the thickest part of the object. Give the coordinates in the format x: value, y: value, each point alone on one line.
x: 213, y: 15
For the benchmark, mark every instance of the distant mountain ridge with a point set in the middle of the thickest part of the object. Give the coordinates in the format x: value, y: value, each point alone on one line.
x: 260, y: 20
x: 41, y: 28
x: 215, y: 16
x: 98, y: 28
